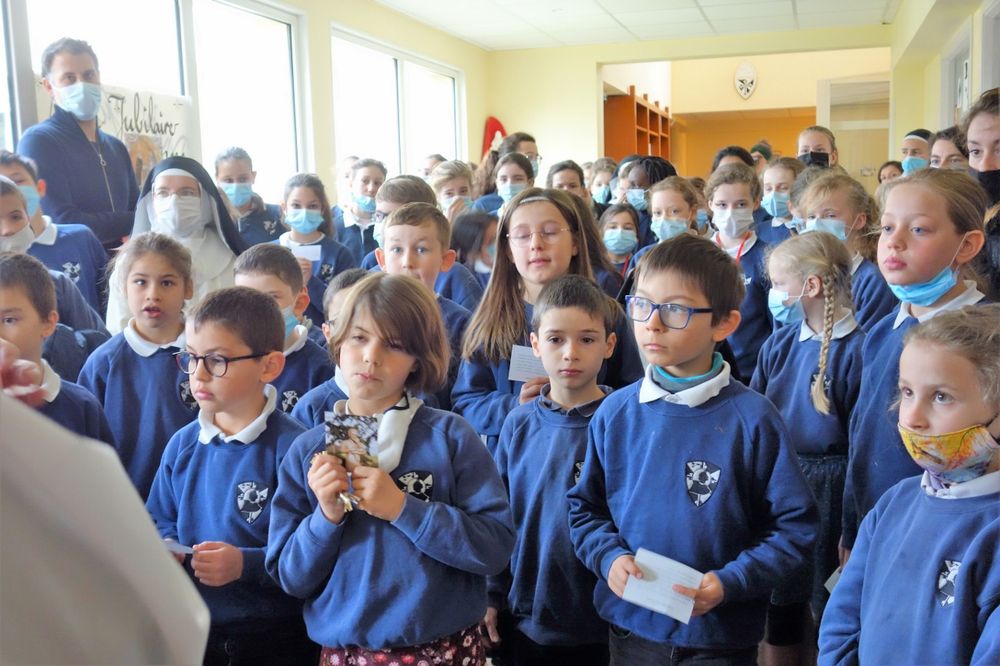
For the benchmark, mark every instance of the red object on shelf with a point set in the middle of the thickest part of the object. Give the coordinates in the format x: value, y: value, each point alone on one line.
x: 493, y: 127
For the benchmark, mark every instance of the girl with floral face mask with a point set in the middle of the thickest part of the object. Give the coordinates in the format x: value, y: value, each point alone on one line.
x: 922, y: 585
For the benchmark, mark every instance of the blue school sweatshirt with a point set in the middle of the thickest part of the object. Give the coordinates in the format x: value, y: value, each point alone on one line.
x: 756, y: 324
x: 456, y: 319
x: 334, y: 258
x: 489, y: 203
x: 769, y: 233
x: 609, y: 282
x: 547, y: 589
x: 872, y: 297
x: 878, y: 459
x: 73, y: 407
x: 715, y: 486
x: 786, y: 369
x: 484, y: 395
x: 923, y: 582
x: 377, y: 584
x: 262, y: 224
x: 210, y: 487
x: 67, y: 350
x: 145, y: 397
x: 458, y: 284
x: 307, y: 365
x: 358, y: 242
x: 72, y: 306
x: 77, y: 191
x: 74, y: 250
x: 310, y: 409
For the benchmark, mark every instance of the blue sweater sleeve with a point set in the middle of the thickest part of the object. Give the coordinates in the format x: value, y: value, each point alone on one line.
x: 161, y: 502
x: 474, y: 533
x: 762, y: 372
x: 988, y: 648
x: 498, y: 586
x: 477, y: 397
x: 302, y: 545
x: 840, y: 632
x: 73, y: 308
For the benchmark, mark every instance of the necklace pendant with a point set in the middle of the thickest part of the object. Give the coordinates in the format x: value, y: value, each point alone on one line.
x: 103, y: 163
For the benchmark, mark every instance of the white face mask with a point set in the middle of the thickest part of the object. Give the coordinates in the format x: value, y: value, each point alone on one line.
x: 177, y: 216
x: 18, y: 241
x: 733, y: 222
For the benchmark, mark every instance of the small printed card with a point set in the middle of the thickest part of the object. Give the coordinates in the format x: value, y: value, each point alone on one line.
x: 310, y: 252
x: 655, y: 589
x: 353, y: 439
x: 524, y: 365
x: 180, y: 549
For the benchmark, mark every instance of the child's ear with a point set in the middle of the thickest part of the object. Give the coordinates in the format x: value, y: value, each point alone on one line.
x: 271, y: 367
x: 612, y: 341
x: 41, y: 186
x: 253, y: 177
x: 50, y: 324
x: 970, y: 247
x: 326, y: 328
x: 814, y: 286
x: 380, y: 258
x: 284, y: 209
x: 727, y: 326
x: 188, y: 290
x: 535, y: 345
x: 301, y: 302
x: 448, y: 260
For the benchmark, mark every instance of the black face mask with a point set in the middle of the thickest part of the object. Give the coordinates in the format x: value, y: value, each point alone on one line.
x: 990, y: 180
x: 815, y: 159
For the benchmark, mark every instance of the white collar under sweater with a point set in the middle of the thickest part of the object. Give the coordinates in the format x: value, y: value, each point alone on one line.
x: 841, y: 328
x: 987, y: 484
x: 393, y: 424
x: 692, y: 397
x: 49, y: 232
x: 51, y: 382
x: 250, y: 434
x: 144, y: 347
x: 970, y: 296
x: 301, y: 337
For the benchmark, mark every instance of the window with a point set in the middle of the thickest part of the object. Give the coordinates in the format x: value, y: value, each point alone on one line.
x: 245, y: 89
x: 6, y: 126
x: 392, y: 106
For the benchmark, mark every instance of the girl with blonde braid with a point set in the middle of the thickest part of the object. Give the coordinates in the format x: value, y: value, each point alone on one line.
x: 810, y: 368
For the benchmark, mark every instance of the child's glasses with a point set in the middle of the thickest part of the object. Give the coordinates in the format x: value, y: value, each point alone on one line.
x: 673, y: 315
x: 522, y: 237
x: 216, y: 364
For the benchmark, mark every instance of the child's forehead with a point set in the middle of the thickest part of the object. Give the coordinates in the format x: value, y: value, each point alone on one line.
x: 425, y: 229
x: 668, y: 285
x: 668, y: 197
x: 570, y: 318
x: 731, y: 191
x: 778, y: 174
x: 302, y: 193
x: 15, y: 172
x: 262, y: 281
x: 10, y: 202
x: 369, y: 172
x: 536, y: 211
x: 214, y: 335
x: 13, y: 296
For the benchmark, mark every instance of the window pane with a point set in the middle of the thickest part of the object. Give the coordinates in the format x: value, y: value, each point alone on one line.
x: 6, y: 127
x: 429, y: 115
x: 136, y: 57
x: 364, y: 103
x: 245, y: 91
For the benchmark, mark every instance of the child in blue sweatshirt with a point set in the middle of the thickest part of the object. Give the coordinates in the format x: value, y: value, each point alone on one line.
x: 258, y: 222
x: 416, y: 241
x: 218, y: 476
x: 541, y: 239
x: 307, y: 215
x: 355, y: 227
x: 932, y: 226
x: 134, y: 374
x: 694, y: 466
x: 733, y: 191
x: 27, y: 318
x: 840, y: 205
x: 311, y: 408
x: 402, y: 576
x: 922, y: 585
x: 547, y: 590
x: 272, y: 269
x: 72, y: 249
x: 810, y: 368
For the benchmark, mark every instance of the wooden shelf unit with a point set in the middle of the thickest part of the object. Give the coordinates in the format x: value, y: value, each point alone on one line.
x: 634, y: 125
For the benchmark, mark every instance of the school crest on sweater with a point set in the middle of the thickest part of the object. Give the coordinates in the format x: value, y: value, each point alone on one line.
x: 577, y: 468
x: 185, y: 394
x: 946, y: 582
x: 418, y: 483
x: 326, y: 272
x: 288, y: 400
x: 72, y: 270
x: 250, y: 499
x: 701, y: 478
x: 270, y: 226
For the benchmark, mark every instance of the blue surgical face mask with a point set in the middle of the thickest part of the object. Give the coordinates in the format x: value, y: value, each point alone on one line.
x: 82, y: 99
x: 601, y: 195
x: 913, y: 163
x: 702, y: 220
x: 798, y: 224
x: 31, y: 198
x: 666, y: 229
x: 238, y: 193
x: 303, y: 220
x: 365, y: 204
x: 508, y: 191
x: 447, y: 202
x: 785, y: 314
x: 636, y: 198
x: 291, y: 321
x: 830, y: 225
x: 534, y: 167
x: 378, y: 232
x: 925, y: 294
x: 776, y: 203
x: 620, y: 241
x: 491, y: 250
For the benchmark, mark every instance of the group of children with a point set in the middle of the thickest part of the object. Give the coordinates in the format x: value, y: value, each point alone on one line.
x: 754, y: 406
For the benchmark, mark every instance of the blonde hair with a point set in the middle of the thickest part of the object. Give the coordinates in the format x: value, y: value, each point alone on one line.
x: 499, y: 322
x: 733, y: 174
x: 680, y: 185
x: 972, y: 332
x: 417, y: 214
x: 405, y: 311
x: 788, y: 164
x: 449, y: 170
x: 860, y: 201
x: 825, y: 132
x: 149, y: 243
x: 824, y: 256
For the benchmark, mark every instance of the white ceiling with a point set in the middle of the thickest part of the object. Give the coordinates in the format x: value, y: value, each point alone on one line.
x: 519, y: 24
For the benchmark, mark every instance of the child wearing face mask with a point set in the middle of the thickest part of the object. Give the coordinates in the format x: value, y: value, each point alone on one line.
x: 673, y: 203
x: 619, y: 227
x: 932, y: 227
x: 811, y: 370
x: 839, y: 205
x: 641, y: 174
x: 474, y: 239
x: 818, y: 147
x: 258, y: 222
x: 923, y: 585
x: 452, y: 185
x: 601, y: 174
x: 778, y: 177
x: 733, y: 192
x: 514, y: 173
x: 354, y: 226
x: 310, y: 225
x: 916, y: 151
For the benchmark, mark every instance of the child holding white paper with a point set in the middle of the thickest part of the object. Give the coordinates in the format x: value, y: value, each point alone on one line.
x: 540, y: 238
x: 310, y: 223
x: 922, y: 584
x: 401, y: 578
x: 691, y: 465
